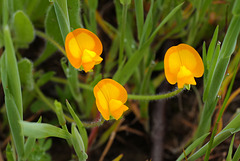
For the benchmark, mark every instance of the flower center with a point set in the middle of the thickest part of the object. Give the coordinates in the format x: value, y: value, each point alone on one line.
x: 185, y: 76
x: 89, y: 59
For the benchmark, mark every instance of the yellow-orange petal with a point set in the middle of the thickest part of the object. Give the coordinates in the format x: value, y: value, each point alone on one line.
x: 79, y: 40
x: 185, y: 77
x: 97, y: 59
x: 182, y: 55
x: 89, y: 59
x: 102, y: 103
x: 111, y: 90
x: 172, y: 64
x: 117, y: 108
x: 110, y: 97
x: 191, y: 59
x: 88, y: 66
x: 73, y: 51
x: 88, y: 40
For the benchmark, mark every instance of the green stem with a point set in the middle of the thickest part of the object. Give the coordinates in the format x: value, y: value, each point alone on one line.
x: 45, y: 36
x: 130, y: 96
x: 155, y: 97
x: 122, y: 36
x: 94, y: 124
x: 64, y: 81
x: 5, y: 12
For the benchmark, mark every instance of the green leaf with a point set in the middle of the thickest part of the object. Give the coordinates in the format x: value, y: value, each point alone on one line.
x: 23, y: 28
x: 125, y: 73
x: 231, y: 128
x: 52, y: 30
x: 15, y: 5
x: 11, y: 70
x: 148, y: 25
x: 212, y: 48
x: 59, y: 112
x: 204, y: 55
x: 211, y: 71
x: 10, y: 153
x: 236, y: 8
x: 139, y: 16
x: 234, y: 124
x: 230, y: 150
x: 93, y: 4
x: 236, y: 156
x: 78, y: 144
x: 43, y: 130
x: 28, y: 146
x: 52, y: 27
x: 230, y: 40
x: 223, y: 135
x: 47, y: 145
x: 80, y: 126
x: 36, y: 9
x: 74, y: 9
x: 191, y: 147
x: 13, y: 119
x: 4, y: 78
x: 25, y: 67
x: 61, y: 10
x: 1, y: 39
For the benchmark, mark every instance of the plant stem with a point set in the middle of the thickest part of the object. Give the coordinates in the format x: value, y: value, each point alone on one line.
x: 130, y: 96
x: 155, y: 97
x: 45, y: 36
x: 64, y: 81
x: 94, y: 124
x: 122, y: 36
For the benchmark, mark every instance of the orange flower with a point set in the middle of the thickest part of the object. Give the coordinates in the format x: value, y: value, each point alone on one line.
x: 181, y: 64
x: 110, y: 98
x: 83, y: 48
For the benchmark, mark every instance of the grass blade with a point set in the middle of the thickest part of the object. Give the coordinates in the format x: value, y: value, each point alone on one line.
x: 13, y: 119
x: 193, y: 146
x: 80, y: 126
x: 139, y: 16
x: 128, y: 69
x: 230, y: 150
x: 236, y: 156
x: 78, y: 144
x: 11, y: 69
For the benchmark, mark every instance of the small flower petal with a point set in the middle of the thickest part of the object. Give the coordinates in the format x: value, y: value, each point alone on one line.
x: 89, y: 59
x: 110, y: 98
x: 185, y: 76
x: 101, y: 103
x: 117, y: 108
